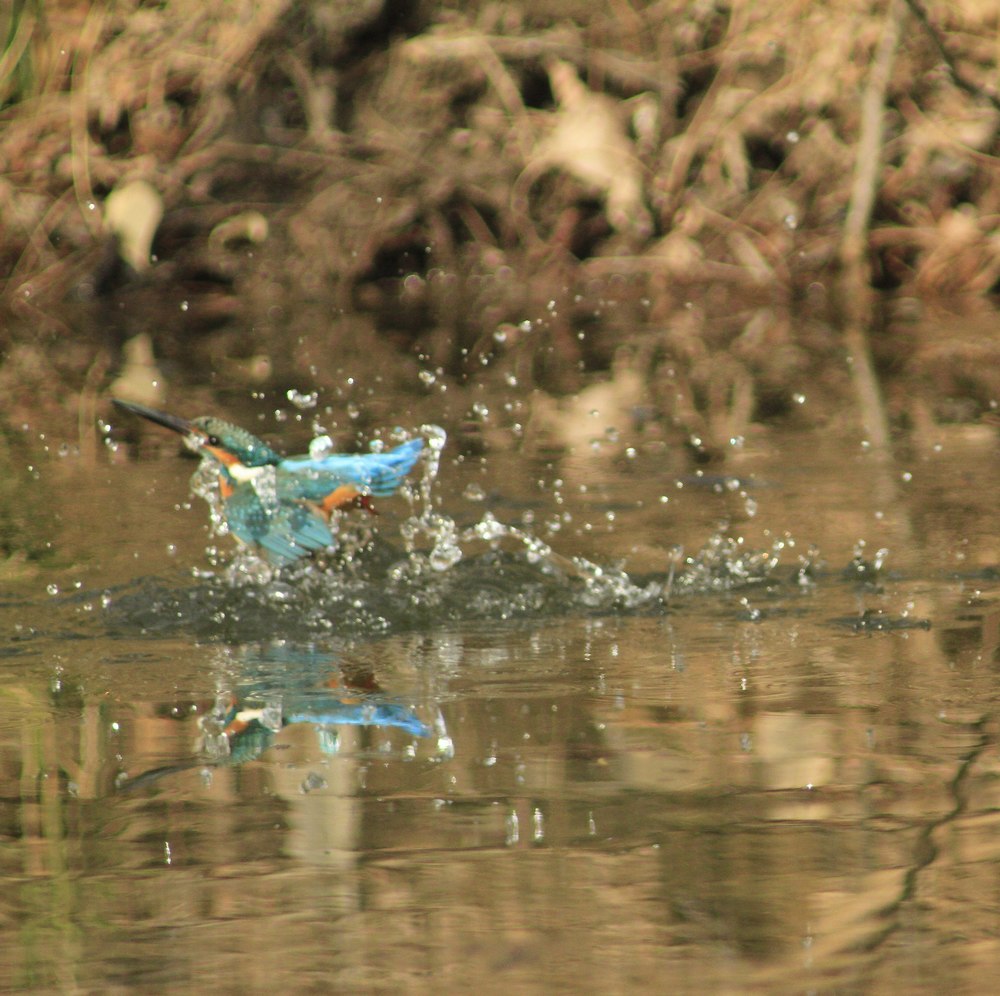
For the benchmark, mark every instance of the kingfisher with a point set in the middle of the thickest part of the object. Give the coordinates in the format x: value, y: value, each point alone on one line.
x: 282, y: 506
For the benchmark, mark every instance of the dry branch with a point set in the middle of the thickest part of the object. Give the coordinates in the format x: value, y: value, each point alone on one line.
x: 855, y: 281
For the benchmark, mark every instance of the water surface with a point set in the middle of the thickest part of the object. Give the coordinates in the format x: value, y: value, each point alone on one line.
x: 747, y: 743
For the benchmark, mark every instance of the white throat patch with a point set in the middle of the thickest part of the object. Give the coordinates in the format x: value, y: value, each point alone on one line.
x: 245, y: 475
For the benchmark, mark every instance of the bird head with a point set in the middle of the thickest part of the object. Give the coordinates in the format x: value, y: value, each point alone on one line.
x: 224, y: 442
x: 229, y: 444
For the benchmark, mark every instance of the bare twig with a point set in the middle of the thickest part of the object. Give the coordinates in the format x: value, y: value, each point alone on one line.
x: 856, y: 283
x: 80, y: 138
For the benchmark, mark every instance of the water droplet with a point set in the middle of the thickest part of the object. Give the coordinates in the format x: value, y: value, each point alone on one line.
x: 792, y: 137
x: 303, y: 401
x: 444, y: 556
x: 184, y: 306
x: 436, y: 437
x: 490, y: 529
x: 474, y: 492
x: 412, y: 283
x: 312, y: 782
x: 320, y: 447
x: 52, y: 589
x: 427, y: 377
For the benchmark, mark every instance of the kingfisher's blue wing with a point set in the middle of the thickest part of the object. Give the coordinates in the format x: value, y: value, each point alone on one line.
x: 295, y: 531
x: 285, y: 531
x: 371, y: 473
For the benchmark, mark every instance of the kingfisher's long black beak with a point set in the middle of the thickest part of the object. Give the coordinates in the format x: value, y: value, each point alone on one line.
x: 174, y: 422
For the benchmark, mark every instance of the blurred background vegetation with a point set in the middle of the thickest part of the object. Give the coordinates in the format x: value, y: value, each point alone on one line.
x: 653, y: 193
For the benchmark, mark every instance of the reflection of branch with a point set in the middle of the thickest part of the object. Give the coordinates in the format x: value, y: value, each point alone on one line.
x: 958, y: 77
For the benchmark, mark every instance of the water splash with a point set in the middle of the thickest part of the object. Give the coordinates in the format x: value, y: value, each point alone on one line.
x: 205, y: 485
x: 448, y: 544
x: 426, y: 570
x: 321, y: 447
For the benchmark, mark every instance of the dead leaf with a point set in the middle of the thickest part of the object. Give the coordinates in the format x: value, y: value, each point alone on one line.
x: 132, y: 211
x: 588, y: 140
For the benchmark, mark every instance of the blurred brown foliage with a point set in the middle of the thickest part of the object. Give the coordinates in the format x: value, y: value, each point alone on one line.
x: 669, y: 176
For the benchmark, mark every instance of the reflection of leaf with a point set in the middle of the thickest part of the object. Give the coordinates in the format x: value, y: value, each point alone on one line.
x: 602, y: 412
x: 132, y: 212
x: 140, y: 379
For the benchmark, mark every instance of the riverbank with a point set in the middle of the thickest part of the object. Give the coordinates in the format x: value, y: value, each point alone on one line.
x: 483, y: 191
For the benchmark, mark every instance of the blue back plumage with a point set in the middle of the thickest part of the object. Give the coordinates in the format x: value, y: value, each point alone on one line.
x: 376, y: 474
x: 278, y: 510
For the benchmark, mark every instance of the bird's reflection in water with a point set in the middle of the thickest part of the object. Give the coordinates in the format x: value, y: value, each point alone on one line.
x: 281, y: 685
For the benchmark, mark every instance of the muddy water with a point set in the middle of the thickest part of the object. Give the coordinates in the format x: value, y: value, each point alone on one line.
x: 733, y: 747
